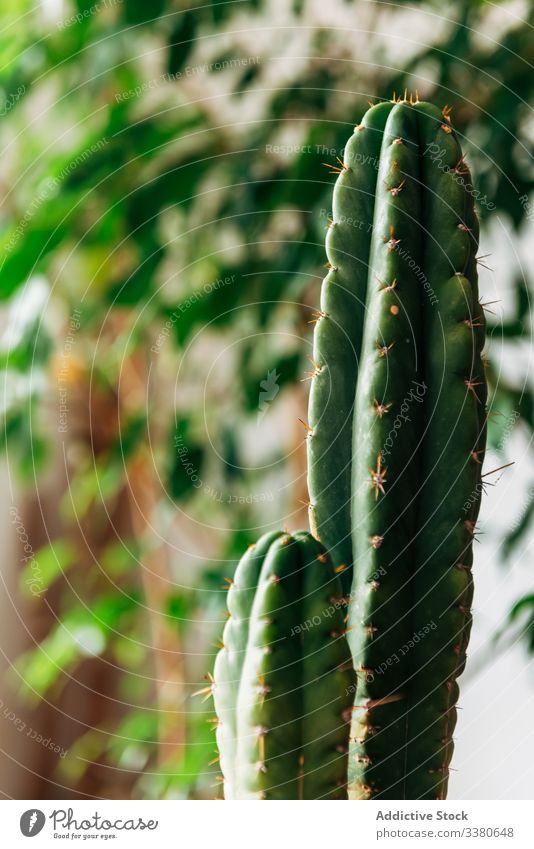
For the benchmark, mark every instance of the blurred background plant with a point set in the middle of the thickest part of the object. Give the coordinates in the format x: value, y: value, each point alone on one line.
x: 162, y: 219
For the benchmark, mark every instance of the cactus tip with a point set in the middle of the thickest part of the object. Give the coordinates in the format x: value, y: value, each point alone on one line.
x: 378, y: 477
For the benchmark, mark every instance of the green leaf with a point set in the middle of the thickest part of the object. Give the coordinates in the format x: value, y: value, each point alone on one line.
x: 50, y: 563
x: 525, y: 605
x: 520, y: 526
x: 182, y: 39
x: 186, y: 461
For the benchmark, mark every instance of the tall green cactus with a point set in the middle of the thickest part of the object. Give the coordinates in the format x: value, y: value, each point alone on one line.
x: 397, y: 435
x: 284, y: 682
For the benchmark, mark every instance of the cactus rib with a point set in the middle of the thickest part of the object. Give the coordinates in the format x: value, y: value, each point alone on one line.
x: 390, y: 373
x: 337, y: 340
x: 452, y: 456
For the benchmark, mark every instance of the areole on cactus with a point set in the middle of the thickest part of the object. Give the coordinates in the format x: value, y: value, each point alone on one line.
x: 396, y: 440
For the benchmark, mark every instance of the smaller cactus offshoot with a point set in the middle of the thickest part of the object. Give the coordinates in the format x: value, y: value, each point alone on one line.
x: 284, y: 682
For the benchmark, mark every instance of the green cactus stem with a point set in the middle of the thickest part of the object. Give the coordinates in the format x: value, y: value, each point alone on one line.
x: 283, y: 682
x: 338, y: 338
x: 405, y: 486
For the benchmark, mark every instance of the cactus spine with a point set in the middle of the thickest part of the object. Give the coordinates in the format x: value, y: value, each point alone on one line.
x: 283, y: 681
x: 397, y: 418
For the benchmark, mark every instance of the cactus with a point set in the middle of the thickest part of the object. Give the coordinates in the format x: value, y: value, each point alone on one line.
x: 283, y: 683
x: 396, y: 441
x: 397, y: 436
